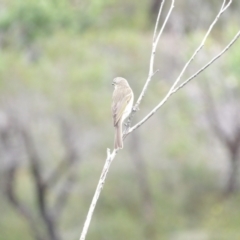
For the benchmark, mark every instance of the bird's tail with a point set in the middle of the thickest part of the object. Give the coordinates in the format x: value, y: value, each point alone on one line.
x: 118, y: 143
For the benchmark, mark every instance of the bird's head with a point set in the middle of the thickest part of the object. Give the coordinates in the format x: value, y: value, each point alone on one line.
x: 119, y: 82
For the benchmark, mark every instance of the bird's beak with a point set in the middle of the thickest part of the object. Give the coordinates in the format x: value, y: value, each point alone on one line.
x: 113, y: 84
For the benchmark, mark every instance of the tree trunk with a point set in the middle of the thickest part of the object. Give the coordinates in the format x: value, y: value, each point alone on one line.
x: 233, y: 175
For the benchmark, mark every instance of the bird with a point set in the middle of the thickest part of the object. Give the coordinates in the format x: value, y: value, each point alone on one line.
x: 122, y: 103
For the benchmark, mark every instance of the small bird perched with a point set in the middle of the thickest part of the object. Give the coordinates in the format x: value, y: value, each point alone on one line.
x: 122, y: 103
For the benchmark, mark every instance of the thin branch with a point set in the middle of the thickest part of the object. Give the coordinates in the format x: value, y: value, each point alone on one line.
x: 110, y: 157
x: 158, y: 18
x: 171, y: 91
x: 209, y: 63
x: 152, y: 58
x: 225, y: 8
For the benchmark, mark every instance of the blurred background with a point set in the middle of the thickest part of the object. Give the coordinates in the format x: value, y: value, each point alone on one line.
x: 177, y: 177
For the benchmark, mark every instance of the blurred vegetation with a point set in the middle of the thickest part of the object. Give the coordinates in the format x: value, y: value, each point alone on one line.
x: 57, y: 61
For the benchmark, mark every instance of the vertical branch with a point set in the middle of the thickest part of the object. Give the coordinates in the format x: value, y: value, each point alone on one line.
x: 151, y: 72
x: 154, y: 8
x: 153, y: 52
x: 158, y: 18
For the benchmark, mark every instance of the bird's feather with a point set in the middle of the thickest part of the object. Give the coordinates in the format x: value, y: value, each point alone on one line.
x: 121, y: 98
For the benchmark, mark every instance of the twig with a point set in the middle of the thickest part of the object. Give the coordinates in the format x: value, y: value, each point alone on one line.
x: 110, y: 157
x: 171, y: 91
x: 209, y: 63
x: 151, y: 73
x: 157, y: 21
x: 154, y: 46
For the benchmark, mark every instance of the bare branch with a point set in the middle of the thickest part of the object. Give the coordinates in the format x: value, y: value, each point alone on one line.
x: 152, y: 58
x: 171, y: 91
x: 110, y: 157
x: 154, y: 46
x: 209, y: 63
x: 158, y: 18
x: 225, y: 7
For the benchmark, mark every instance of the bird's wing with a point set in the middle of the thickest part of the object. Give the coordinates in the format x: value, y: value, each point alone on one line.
x: 121, y: 98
